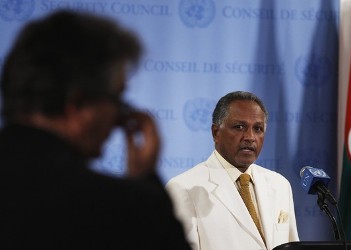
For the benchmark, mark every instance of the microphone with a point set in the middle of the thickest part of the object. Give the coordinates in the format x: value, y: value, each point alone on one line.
x: 315, y: 180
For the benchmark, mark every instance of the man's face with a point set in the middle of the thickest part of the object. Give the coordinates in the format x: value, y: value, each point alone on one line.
x: 101, y: 121
x: 101, y: 117
x: 240, y: 137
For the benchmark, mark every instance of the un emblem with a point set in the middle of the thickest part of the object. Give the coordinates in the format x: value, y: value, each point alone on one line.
x: 318, y: 172
x: 18, y: 10
x: 198, y: 13
x: 198, y: 114
x: 313, y: 70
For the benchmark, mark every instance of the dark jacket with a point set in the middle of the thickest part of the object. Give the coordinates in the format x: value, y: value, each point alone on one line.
x: 51, y: 200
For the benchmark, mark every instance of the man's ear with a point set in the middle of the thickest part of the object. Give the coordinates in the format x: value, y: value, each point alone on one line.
x: 76, y: 118
x: 215, y: 131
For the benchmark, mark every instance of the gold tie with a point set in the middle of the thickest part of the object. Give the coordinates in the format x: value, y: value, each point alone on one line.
x: 244, y: 191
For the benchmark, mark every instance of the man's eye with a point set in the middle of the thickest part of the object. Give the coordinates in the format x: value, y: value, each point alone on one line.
x: 259, y: 129
x: 239, y: 127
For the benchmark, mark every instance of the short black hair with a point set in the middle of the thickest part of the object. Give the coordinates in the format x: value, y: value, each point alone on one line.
x: 221, y: 110
x: 61, y: 54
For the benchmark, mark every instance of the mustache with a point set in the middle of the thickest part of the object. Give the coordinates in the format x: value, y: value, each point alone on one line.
x: 247, y: 147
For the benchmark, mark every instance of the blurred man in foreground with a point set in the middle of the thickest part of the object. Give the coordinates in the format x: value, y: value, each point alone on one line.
x: 61, y: 87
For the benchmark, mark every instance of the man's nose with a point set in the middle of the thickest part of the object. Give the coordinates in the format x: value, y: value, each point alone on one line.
x: 249, y: 135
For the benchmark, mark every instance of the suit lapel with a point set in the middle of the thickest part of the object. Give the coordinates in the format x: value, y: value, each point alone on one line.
x: 265, y: 196
x: 225, y: 191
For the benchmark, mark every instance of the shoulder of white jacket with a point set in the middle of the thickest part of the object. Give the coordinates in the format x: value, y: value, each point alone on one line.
x: 190, y: 176
x: 268, y: 173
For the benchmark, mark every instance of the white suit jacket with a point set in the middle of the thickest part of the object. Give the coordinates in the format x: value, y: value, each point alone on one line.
x: 215, y: 217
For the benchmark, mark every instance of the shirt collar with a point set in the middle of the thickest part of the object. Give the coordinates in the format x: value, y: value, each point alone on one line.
x: 234, y: 171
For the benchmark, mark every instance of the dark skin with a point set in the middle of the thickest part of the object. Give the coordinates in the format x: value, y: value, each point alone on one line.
x: 239, y: 139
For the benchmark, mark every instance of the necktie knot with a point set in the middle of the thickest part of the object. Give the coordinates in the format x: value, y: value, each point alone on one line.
x: 244, y: 179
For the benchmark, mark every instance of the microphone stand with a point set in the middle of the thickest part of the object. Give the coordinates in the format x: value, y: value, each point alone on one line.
x: 324, y: 207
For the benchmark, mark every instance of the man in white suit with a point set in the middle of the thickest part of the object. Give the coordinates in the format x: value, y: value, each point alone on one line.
x: 207, y: 197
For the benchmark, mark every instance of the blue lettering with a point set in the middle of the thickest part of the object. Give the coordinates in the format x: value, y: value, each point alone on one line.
x: 140, y: 9
x: 247, y: 13
x: 170, y: 66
